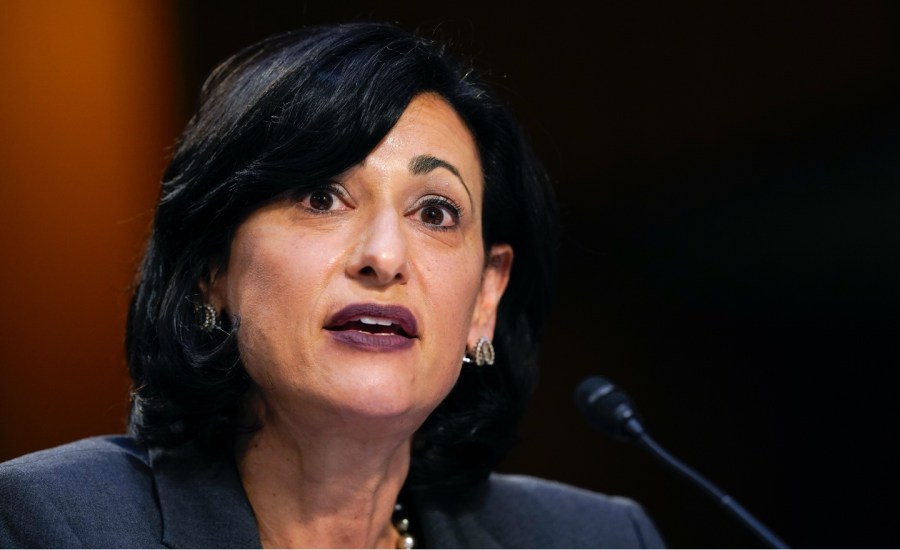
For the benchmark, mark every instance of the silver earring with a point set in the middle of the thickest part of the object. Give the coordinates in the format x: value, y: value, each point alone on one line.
x: 484, y: 353
x: 208, y: 317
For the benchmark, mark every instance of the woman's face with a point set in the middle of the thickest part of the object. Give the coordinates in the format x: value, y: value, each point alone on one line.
x: 358, y: 299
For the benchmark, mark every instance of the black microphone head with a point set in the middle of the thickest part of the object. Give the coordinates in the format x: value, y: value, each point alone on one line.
x: 607, y: 408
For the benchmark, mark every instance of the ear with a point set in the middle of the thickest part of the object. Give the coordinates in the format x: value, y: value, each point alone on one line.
x: 213, y: 289
x: 493, y: 284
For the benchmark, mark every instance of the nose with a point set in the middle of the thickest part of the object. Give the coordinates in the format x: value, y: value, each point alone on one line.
x: 380, y: 257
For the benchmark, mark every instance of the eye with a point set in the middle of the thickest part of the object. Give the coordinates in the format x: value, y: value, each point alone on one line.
x: 320, y: 200
x: 439, y: 212
x: 323, y: 199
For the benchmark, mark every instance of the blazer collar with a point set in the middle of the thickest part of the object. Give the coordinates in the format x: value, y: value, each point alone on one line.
x: 202, y: 502
x: 203, y: 505
x: 453, y: 518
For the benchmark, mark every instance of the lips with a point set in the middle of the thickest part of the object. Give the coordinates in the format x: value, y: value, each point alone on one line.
x: 375, y: 319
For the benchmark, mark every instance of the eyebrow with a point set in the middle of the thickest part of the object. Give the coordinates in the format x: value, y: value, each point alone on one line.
x: 422, y: 164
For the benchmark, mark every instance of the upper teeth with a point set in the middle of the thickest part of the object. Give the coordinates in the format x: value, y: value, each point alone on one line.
x: 376, y: 321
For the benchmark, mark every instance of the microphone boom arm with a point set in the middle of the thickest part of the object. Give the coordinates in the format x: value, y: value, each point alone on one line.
x: 741, y: 513
x: 610, y: 411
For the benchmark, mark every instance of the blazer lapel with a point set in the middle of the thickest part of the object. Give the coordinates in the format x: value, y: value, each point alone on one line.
x: 202, y: 502
x: 450, y: 518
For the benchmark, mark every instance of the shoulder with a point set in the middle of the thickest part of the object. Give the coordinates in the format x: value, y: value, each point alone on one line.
x: 513, y: 511
x: 94, y: 492
x: 576, y: 516
x: 78, y: 454
x: 86, y: 466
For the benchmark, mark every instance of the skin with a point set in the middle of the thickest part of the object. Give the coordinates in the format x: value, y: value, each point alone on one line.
x: 333, y: 451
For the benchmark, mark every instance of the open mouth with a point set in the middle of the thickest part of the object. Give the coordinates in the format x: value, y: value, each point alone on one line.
x: 374, y: 321
x: 372, y: 325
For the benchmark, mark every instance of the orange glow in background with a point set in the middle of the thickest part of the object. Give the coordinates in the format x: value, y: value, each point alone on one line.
x: 88, y: 107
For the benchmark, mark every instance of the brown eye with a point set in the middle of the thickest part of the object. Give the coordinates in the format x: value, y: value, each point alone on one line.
x: 439, y: 213
x: 321, y: 200
x: 433, y: 215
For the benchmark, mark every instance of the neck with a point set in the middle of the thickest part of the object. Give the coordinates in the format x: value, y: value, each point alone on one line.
x: 322, y: 488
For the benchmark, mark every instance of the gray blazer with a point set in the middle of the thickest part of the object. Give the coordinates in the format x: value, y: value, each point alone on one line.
x: 110, y: 492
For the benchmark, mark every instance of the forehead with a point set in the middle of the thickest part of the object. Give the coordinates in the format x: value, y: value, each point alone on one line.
x: 430, y: 126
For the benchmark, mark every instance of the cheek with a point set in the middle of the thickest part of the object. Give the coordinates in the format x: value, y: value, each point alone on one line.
x: 452, y: 295
x: 267, y: 282
x: 276, y: 271
x: 274, y: 289
x: 451, y: 298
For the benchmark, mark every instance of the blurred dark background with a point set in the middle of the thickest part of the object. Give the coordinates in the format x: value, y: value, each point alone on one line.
x: 728, y: 179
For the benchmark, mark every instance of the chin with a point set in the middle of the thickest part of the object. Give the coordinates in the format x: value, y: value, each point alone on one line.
x: 391, y: 394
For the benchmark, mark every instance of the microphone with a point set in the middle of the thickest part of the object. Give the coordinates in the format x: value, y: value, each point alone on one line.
x: 610, y: 411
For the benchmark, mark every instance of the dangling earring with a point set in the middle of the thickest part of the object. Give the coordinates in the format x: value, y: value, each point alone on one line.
x: 484, y: 353
x: 208, y: 317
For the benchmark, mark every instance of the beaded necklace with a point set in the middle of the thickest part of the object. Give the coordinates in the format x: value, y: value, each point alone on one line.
x: 401, y: 523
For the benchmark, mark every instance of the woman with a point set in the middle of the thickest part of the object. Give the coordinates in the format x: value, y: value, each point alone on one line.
x: 318, y: 346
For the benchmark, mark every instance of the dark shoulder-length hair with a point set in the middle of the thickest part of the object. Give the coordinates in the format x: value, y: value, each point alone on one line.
x: 288, y: 114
